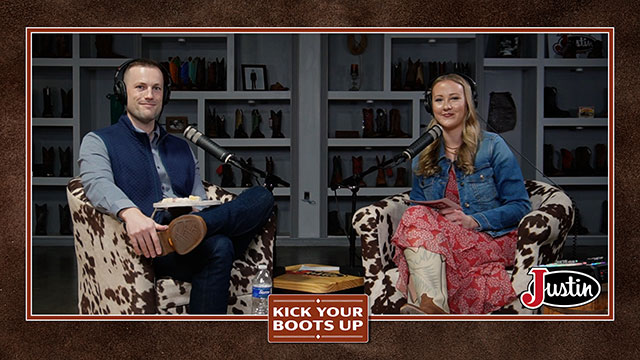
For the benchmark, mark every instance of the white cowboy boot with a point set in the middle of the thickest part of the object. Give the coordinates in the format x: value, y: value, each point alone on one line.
x: 427, y: 284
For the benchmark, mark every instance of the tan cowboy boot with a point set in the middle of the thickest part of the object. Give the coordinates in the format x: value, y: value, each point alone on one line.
x: 428, y: 283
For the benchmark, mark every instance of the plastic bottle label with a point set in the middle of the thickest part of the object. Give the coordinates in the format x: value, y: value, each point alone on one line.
x: 261, y: 292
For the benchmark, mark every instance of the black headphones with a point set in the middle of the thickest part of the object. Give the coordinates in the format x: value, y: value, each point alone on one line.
x: 472, y: 84
x: 120, y: 89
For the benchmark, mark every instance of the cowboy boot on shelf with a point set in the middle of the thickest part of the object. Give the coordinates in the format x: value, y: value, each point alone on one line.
x: 410, y: 79
x: 210, y: 125
x: 577, y: 228
x: 104, y: 46
x: 396, y: 74
x: 48, y: 105
x: 270, y: 168
x: 356, y: 167
x: 256, y: 119
x: 419, y: 76
x: 275, y: 123
x: 549, y: 168
x: 246, y: 180
x: 221, y: 75
x: 394, y: 121
x: 193, y: 68
x: 221, y: 127
x: 381, y: 123
x: 401, y: 178
x: 41, y: 219
x: 67, y: 103
x: 226, y: 172
x: 567, y: 162
x: 66, y: 162
x: 65, y: 220
x: 174, y: 70
x: 367, y: 124
x: 381, y: 181
x: 201, y: 74
x: 48, y: 159
x: 433, y: 72
x: 334, y: 227
x: 601, y: 160
x: 551, y: 109
x: 583, y: 161
x: 185, y: 82
x: 239, y: 132
x: 336, y: 175
x: 211, y: 75
x: 427, y: 283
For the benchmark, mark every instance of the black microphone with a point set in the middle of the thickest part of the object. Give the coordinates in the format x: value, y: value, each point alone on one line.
x: 423, y: 141
x: 198, y: 138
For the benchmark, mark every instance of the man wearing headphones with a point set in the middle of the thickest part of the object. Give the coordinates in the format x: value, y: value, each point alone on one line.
x: 128, y: 166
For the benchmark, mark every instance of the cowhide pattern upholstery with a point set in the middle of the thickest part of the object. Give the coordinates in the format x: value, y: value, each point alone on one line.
x: 112, y: 279
x: 541, y: 236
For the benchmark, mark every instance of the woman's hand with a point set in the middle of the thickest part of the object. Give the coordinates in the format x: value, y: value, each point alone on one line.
x: 457, y: 217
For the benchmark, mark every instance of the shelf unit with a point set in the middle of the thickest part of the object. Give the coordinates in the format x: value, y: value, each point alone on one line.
x: 315, y: 68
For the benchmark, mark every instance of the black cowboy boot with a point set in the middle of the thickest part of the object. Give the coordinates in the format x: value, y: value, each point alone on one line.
x: 65, y: 220
x: 270, y: 166
x: 601, y: 160
x: 221, y: 75
x: 396, y: 74
x: 239, y: 132
x: 551, y: 109
x: 41, y: 219
x: 583, y: 161
x: 549, y: 168
x: 226, y: 172
x: 336, y: 176
x: 48, y: 105
x: 381, y: 181
x: 247, y: 180
x: 568, y: 167
x: 275, y: 122
x: 48, y: 160
x: 211, y: 76
x: 381, y: 123
x: 210, y: 124
x: 394, y: 121
x: 201, y: 74
x: 367, y: 124
x: 256, y: 119
x: 356, y: 167
x: 222, y: 128
x: 334, y: 227
x: 401, y: 178
x: 66, y: 162
x: 419, y: 76
x: 67, y: 103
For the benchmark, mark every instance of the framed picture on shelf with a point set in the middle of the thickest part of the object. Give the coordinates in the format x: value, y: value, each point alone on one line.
x: 254, y: 77
x: 177, y: 124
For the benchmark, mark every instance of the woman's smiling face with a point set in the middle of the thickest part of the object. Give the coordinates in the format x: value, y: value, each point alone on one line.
x: 449, y: 104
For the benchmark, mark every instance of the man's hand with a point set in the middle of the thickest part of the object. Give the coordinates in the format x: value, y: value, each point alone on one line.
x: 142, y: 231
x: 456, y: 216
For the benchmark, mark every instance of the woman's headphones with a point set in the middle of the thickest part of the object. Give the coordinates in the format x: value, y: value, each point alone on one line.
x: 472, y: 84
x: 120, y: 89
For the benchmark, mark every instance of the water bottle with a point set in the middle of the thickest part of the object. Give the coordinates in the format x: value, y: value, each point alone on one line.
x: 261, y: 288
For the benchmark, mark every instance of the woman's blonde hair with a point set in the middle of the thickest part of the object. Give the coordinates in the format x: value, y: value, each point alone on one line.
x: 471, y: 134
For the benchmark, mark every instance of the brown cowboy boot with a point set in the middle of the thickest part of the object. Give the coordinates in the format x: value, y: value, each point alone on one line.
x: 256, y: 119
x: 336, y: 176
x: 210, y: 125
x: 381, y: 181
x: 367, y: 124
x: 381, y: 123
x: 183, y: 235
x: 276, y: 124
x: 239, y: 132
x: 401, y: 178
x: 394, y: 120
x: 356, y: 166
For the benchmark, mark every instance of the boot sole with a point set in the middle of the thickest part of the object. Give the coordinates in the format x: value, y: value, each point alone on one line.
x: 183, y: 235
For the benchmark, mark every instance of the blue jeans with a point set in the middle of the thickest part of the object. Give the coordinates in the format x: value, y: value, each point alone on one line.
x: 230, y: 228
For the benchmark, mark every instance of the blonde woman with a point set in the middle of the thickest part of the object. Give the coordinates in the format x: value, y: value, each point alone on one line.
x: 453, y: 260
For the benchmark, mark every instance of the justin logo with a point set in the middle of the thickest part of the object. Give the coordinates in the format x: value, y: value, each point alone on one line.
x: 562, y: 288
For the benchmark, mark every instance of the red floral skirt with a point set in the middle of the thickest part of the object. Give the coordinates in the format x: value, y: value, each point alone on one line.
x: 477, y: 282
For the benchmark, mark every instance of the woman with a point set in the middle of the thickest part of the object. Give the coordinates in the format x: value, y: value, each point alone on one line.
x: 453, y: 260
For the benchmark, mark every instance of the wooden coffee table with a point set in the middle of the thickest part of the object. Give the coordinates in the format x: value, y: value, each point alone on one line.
x: 316, y: 282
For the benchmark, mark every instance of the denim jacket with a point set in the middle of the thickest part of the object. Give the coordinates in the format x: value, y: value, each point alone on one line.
x: 494, y: 195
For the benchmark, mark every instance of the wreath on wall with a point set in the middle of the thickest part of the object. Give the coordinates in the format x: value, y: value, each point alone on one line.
x: 357, y: 47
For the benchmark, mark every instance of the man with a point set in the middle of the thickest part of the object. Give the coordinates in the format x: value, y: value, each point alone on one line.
x: 128, y: 166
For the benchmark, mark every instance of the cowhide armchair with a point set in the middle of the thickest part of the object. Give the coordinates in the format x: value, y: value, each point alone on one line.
x: 112, y: 279
x: 541, y: 236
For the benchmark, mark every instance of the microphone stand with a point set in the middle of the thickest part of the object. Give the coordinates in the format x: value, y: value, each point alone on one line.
x: 270, y: 182
x: 352, y: 183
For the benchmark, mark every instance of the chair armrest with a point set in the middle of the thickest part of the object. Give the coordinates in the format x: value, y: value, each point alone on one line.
x: 112, y: 279
x: 375, y: 225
